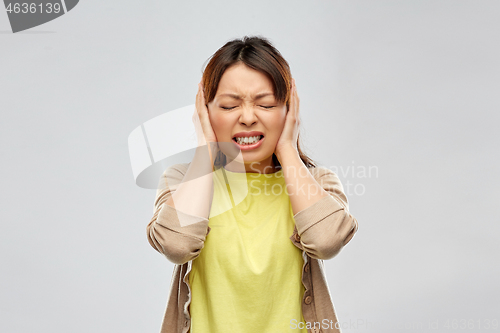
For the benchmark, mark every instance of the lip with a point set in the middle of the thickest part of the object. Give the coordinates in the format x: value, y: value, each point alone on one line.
x: 243, y: 134
x: 252, y: 146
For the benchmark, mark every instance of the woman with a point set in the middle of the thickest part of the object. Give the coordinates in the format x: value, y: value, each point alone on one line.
x: 254, y: 217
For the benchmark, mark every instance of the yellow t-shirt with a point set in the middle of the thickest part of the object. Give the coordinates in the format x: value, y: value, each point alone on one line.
x: 247, y: 277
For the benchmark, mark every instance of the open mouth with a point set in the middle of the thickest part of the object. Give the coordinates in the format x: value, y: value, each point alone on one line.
x: 248, y: 140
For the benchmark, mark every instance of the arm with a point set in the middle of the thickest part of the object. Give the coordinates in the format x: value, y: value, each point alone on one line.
x: 326, y: 226
x: 321, y: 208
x: 179, y: 231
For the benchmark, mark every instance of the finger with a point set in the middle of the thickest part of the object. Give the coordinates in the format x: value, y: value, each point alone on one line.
x: 202, y: 95
x: 297, y: 103
x: 202, y: 110
x: 292, y: 99
x: 203, y: 105
x: 201, y: 88
x: 295, y: 98
x: 198, y: 100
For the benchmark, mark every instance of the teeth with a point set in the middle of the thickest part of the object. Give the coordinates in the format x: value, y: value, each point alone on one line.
x: 248, y: 139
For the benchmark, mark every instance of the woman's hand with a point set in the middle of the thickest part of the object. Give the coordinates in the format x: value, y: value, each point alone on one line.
x: 290, y: 133
x: 204, y: 131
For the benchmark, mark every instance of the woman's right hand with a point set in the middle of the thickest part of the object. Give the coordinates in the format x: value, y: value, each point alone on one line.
x: 204, y: 131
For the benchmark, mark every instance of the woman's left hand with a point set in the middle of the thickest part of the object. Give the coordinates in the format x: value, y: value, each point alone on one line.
x: 290, y: 133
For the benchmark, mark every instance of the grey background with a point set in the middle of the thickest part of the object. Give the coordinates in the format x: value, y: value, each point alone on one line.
x: 408, y: 87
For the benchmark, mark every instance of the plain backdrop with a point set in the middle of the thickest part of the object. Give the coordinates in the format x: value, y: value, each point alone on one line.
x: 399, y: 97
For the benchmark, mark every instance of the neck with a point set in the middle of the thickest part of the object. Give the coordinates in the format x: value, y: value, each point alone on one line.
x: 266, y: 166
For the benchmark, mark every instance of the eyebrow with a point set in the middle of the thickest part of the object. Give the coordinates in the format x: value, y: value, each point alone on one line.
x: 236, y: 96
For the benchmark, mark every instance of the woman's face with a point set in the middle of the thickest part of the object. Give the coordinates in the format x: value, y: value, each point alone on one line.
x: 237, y: 109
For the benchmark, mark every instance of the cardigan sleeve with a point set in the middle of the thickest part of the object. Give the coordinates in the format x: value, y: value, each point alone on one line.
x: 178, y: 242
x: 326, y: 226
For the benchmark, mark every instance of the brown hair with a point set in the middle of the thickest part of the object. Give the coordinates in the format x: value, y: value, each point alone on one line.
x: 257, y: 53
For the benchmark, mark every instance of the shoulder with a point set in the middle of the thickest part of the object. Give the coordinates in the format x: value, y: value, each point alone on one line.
x: 178, y: 168
x: 322, y: 172
x: 331, y: 183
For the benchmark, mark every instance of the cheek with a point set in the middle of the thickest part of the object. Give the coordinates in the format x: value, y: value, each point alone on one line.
x: 278, y: 121
x: 220, y: 124
x: 274, y: 125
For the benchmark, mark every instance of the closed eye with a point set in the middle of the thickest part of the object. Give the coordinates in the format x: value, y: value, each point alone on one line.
x: 265, y: 107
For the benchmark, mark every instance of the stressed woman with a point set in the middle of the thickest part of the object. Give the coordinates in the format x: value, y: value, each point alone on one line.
x: 249, y: 221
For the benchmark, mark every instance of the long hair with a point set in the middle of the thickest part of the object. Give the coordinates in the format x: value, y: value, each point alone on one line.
x: 257, y: 53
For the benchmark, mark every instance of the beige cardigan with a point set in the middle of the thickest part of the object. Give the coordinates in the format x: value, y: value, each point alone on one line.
x: 321, y: 231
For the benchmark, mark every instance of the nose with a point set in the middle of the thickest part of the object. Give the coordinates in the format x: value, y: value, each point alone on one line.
x: 247, y: 116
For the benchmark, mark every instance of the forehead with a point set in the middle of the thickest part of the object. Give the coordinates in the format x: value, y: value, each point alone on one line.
x: 243, y: 81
